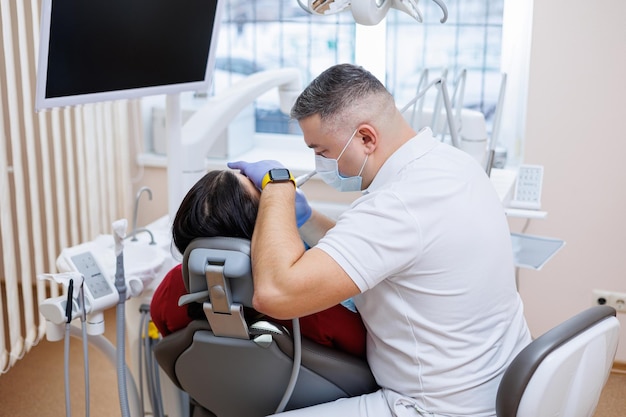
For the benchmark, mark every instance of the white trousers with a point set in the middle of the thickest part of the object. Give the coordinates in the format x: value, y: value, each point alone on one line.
x: 382, y: 403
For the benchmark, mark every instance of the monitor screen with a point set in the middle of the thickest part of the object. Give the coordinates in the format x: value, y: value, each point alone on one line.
x: 100, y: 50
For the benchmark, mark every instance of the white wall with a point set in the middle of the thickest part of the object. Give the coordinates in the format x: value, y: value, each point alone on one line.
x: 575, y: 128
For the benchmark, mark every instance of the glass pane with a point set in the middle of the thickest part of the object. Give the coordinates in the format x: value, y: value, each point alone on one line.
x: 266, y: 34
x: 269, y: 34
x: 471, y: 39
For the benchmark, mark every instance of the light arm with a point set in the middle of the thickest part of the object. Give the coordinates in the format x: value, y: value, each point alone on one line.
x: 199, y: 133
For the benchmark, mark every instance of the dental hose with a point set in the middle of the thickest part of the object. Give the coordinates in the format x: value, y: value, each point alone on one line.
x: 83, y: 326
x: 109, y: 351
x: 152, y: 371
x: 140, y: 361
x: 121, y: 355
x: 119, y: 230
x: 81, y: 308
x: 66, y: 350
x: 295, y: 369
x: 147, y: 338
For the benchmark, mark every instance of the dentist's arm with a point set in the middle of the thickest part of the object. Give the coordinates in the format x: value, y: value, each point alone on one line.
x: 289, y: 281
x: 312, y: 224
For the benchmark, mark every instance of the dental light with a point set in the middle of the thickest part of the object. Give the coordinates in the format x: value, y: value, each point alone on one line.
x: 368, y: 12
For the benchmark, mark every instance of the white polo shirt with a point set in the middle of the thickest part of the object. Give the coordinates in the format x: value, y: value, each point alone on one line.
x: 429, y: 247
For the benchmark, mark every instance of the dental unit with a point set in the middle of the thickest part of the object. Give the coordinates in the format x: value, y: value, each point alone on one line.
x: 119, y: 232
x: 74, y: 306
x: 91, y: 287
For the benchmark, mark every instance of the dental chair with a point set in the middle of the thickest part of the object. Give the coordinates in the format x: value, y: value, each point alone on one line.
x: 562, y: 372
x: 232, y: 365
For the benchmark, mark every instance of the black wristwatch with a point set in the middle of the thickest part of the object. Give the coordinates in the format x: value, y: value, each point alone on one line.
x: 277, y: 175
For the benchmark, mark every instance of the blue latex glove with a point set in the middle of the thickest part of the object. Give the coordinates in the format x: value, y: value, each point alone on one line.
x: 303, y: 209
x: 255, y: 170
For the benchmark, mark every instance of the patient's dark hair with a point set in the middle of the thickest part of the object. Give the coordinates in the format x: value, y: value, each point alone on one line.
x: 217, y: 205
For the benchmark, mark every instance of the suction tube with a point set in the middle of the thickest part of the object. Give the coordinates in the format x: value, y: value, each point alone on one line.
x: 66, y: 349
x: 103, y: 345
x: 83, y: 327
x: 119, y: 233
x: 295, y: 369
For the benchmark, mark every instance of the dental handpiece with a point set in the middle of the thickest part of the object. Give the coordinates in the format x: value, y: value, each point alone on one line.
x: 304, y: 178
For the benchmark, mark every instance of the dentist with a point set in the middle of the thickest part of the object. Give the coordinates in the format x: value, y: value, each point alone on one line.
x: 425, y: 253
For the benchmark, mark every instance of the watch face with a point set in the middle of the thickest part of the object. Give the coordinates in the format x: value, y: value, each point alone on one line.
x: 280, y: 174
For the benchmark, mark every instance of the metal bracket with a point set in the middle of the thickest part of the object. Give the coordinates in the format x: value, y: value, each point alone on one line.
x: 227, y: 325
x: 225, y: 317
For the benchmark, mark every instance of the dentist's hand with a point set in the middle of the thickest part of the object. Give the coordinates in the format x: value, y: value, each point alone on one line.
x: 255, y: 170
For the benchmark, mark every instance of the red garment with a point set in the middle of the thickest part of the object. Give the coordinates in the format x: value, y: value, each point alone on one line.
x: 164, y: 310
x: 335, y: 327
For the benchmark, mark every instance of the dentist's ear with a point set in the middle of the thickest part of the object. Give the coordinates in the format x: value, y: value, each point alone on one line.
x: 368, y: 136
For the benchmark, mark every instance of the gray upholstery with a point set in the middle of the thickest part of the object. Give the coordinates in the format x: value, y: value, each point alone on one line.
x: 219, y: 249
x: 238, y: 377
x: 560, y: 373
x: 574, y: 358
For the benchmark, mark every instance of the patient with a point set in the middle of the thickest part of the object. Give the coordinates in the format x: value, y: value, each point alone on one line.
x: 225, y: 203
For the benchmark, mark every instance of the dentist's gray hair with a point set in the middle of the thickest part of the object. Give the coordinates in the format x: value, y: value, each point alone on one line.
x: 342, y: 95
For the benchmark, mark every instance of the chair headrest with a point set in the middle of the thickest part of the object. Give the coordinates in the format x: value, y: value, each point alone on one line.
x: 231, y: 254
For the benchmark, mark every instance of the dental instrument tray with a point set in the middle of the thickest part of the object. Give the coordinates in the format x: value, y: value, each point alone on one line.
x: 534, y: 252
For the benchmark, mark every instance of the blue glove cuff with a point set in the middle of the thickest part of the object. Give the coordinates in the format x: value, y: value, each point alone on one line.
x: 303, y: 209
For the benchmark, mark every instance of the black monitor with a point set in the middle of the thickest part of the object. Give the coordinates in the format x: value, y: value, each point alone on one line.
x: 100, y: 50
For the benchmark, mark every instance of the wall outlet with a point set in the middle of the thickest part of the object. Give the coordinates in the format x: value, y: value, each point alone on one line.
x: 617, y: 300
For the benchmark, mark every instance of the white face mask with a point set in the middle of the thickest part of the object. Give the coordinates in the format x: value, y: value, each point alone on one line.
x: 328, y: 170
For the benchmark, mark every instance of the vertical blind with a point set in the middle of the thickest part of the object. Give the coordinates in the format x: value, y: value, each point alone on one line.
x: 64, y: 178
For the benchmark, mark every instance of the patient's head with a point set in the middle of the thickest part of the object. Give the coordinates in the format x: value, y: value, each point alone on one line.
x: 222, y: 203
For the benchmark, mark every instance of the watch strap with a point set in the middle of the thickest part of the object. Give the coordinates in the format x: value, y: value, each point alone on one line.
x: 268, y: 178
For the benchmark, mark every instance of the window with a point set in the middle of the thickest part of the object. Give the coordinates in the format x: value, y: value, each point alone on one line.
x: 269, y: 34
x: 266, y: 34
x: 258, y: 35
x: 469, y: 40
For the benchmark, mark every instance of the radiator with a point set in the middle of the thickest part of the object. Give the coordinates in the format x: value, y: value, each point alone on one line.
x: 64, y: 178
